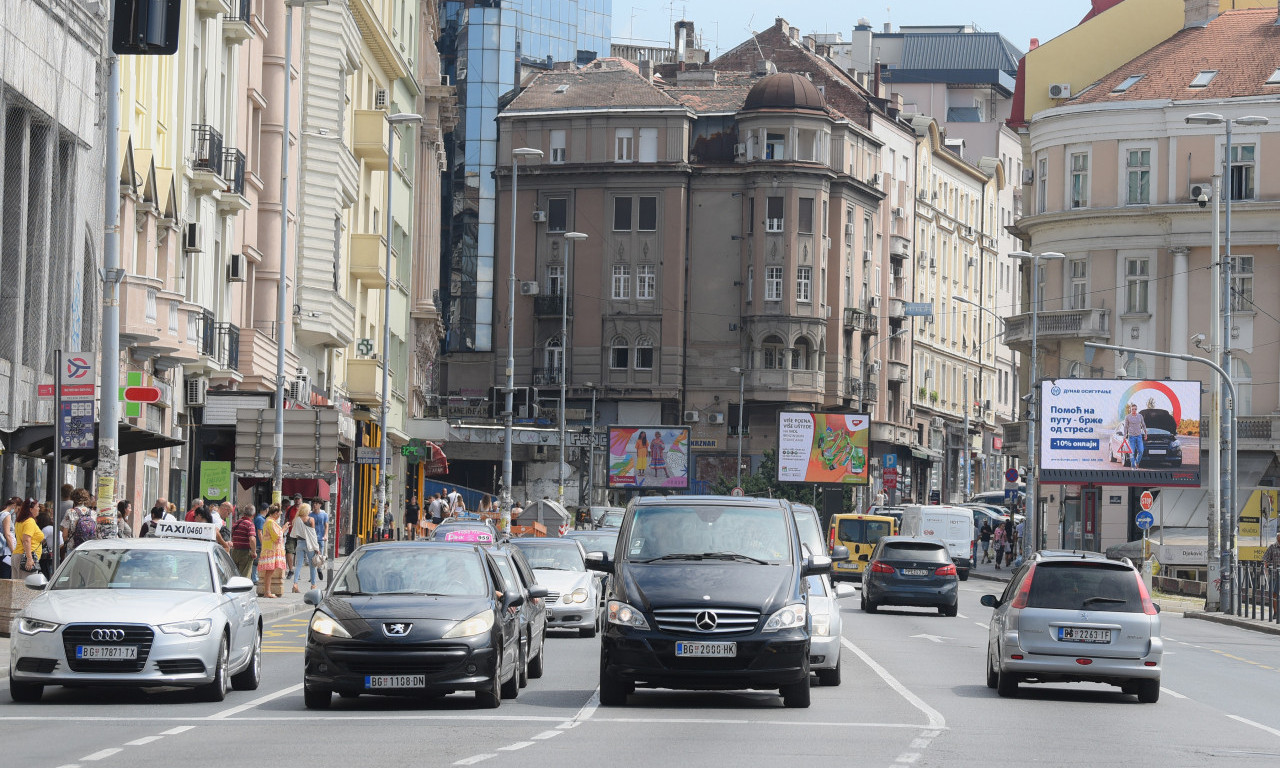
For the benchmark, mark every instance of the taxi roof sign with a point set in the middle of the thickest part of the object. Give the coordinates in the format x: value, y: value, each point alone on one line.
x: 177, y: 529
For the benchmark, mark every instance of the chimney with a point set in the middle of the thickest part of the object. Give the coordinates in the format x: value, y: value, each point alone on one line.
x: 646, y: 70
x: 680, y: 42
x: 1198, y: 13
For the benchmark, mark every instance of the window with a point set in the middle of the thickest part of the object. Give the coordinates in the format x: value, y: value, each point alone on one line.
x: 1042, y: 185
x: 1242, y: 284
x: 553, y: 357
x: 1080, y: 180
x: 775, y: 354
x: 1079, y: 284
x: 1274, y: 79
x: 646, y: 281
x: 775, y: 147
x: 644, y: 354
x: 624, y: 145
x: 1137, y: 273
x: 621, y: 214
x: 557, y: 214
x: 800, y: 355
x: 1203, y: 79
x: 648, y: 214
x: 621, y: 281
x: 648, y: 145
x: 806, y: 215
x: 1139, y: 167
x: 555, y: 279
x: 751, y: 215
x: 1127, y: 83
x: 557, y: 146
x: 751, y: 282
x: 619, y: 353
x: 1242, y: 161
x: 868, y: 236
x: 804, y: 280
x: 773, y: 214
x: 1242, y: 375
x: 773, y: 283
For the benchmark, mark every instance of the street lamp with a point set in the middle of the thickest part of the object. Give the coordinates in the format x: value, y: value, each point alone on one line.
x: 591, y: 450
x: 573, y: 238
x: 400, y: 118
x: 968, y: 470
x: 504, y: 501
x: 1033, y: 448
x: 282, y: 283
x: 742, y: 389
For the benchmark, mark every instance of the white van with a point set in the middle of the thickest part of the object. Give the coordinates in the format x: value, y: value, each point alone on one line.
x: 951, y: 525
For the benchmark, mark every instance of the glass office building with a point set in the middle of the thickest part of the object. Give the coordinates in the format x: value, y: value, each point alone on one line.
x: 484, y: 44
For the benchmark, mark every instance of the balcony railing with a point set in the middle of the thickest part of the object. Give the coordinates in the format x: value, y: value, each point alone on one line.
x: 241, y: 10
x: 233, y: 170
x: 869, y: 394
x: 852, y: 387
x: 551, y: 305
x: 207, y: 142
x: 547, y: 377
x: 228, y: 349
x: 866, y: 323
x: 1080, y: 324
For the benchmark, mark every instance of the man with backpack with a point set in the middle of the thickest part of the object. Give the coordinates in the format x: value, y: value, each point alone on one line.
x: 80, y: 524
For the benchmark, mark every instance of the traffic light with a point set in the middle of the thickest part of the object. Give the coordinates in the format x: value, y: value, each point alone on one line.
x: 146, y: 27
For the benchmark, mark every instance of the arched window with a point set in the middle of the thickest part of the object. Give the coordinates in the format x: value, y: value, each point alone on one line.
x: 1242, y: 375
x: 644, y: 353
x: 801, y: 355
x: 554, y: 359
x: 619, y: 354
x: 774, y: 353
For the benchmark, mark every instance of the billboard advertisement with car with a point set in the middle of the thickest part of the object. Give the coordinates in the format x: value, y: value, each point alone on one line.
x: 1120, y: 432
x: 649, y: 457
x: 824, y: 447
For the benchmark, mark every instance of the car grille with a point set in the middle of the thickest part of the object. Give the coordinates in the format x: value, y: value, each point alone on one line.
x: 79, y: 634
x: 181, y: 666
x: 399, y: 659
x: 36, y: 665
x: 552, y: 597
x: 727, y: 620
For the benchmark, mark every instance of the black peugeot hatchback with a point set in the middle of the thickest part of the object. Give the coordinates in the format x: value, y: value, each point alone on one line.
x: 415, y: 619
x: 709, y: 593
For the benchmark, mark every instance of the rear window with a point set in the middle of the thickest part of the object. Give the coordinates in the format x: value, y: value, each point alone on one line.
x: 915, y: 550
x: 865, y: 531
x: 1077, y: 587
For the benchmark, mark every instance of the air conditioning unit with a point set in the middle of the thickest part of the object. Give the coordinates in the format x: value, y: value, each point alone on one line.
x: 300, y: 389
x: 1028, y: 176
x: 197, y: 392
x: 235, y: 268
x: 191, y: 238
x: 715, y: 418
x: 1060, y: 91
x: 873, y: 303
x: 739, y: 150
x: 848, y: 229
x: 875, y: 180
x: 529, y: 288
x: 540, y: 216
x: 866, y: 255
x: 445, y: 81
x: 380, y: 98
x: 898, y: 213
x: 691, y: 417
x: 936, y: 422
x: 1199, y: 188
x: 933, y: 263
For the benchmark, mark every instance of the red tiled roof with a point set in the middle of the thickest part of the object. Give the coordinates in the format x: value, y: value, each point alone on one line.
x: 1243, y: 46
x: 608, y: 82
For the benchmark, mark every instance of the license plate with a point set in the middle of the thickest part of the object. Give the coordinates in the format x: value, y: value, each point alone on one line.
x: 1156, y: 452
x: 395, y: 681
x: 107, y: 652
x: 1084, y: 635
x: 707, y: 649
x: 915, y: 571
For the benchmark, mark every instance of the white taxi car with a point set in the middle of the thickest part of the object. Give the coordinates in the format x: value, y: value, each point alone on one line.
x: 168, y: 610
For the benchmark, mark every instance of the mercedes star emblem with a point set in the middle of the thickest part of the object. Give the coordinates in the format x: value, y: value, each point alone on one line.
x: 706, y: 621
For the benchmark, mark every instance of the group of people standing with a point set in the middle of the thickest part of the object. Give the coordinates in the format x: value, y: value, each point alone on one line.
x: 441, y: 505
x: 1004, y: 538
x: 287, y: 547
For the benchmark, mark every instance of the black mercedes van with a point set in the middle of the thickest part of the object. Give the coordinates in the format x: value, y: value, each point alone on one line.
x: 709, y: 593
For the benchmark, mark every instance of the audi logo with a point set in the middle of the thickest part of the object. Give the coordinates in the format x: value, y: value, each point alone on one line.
x: 107, y: 635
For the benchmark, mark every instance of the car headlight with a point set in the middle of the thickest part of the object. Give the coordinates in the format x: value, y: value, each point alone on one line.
x: 578, y: 595
x: 324, y: 624
x: 29, y: 626
x: 821, y: 625
x: 193, y: 628
x: 624, y: 615
x: 1175, y: 444
x: 790, y: 617
x: 476, y: 625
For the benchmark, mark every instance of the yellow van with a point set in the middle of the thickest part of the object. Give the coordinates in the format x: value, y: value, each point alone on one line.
x: 859, y: 533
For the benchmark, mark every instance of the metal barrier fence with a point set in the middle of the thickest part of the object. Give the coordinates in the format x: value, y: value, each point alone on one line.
x: 1257, y: 591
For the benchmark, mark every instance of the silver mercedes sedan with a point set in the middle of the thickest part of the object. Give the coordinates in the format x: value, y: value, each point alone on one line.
x: 165, y: 611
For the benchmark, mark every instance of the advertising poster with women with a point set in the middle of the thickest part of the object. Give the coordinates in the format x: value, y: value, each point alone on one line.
x: 1120, y: 432
x: 649, y: 457
x: 823, y: 448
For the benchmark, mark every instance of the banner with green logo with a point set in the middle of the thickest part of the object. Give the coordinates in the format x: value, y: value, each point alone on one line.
x: 215, y: 480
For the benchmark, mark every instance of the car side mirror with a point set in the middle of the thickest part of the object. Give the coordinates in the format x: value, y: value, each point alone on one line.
x: 845, y: 590
x: 538, y: 592
x: 839, y: 553
x: 35, y: 581
x: 991, y: 601
x: 817, y: 565
x: 864, y: 558
x: 599, y: 561
x: 515, y: 600
x: 238, y: 584
x: 312, y: 597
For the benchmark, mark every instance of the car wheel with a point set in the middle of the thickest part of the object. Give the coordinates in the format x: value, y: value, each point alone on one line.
x: 1148, y: 691
x: 963, y: 574
x: 829, y: 677
x: 524, y: 663
x: 511, y: 686
x: 250, y: 677
x: 993, y: 678
x: 1006, y: 684
x: 587, y: 631
x: 868, y: 604
x: 217, y: 689
x: 949, y: 610
x: 25, y: 693
x: 535, y: 664
x: 491, y: 697
x: 796, y: 696
x: 317, y: 698
x: 613, y: 689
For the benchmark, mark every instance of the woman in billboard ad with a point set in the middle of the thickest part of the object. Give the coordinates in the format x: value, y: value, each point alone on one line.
x: 648, y: 457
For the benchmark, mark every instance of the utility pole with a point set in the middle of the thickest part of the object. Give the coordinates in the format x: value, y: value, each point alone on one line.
x: 108, y: 404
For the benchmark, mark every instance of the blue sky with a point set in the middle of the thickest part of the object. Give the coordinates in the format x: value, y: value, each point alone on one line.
x: 725, y: 23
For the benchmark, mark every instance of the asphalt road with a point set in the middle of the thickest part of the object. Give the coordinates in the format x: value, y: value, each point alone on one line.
x: 913, y: 695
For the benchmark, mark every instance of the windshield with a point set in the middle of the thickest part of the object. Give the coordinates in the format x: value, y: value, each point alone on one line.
x: 175, y: 570
x: 719, y: 530
x: 413, y: 570
x: 551, y: 556
x: 611, y: 520
x: 863, y: 531
x: 810, y: 532
x: 1076, y: 587
x: 597, y: 542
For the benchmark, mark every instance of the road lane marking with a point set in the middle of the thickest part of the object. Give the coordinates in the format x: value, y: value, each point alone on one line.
x: 984, y: 626
x: 589, y: 708
x: 100, y: 754
x: 142, y: 741
x: 1174, y: 694
x: 1259, y: 726
x: 908, y: 758
x: 718, y: 721
x: 547, y: 735
x: 514, y: 747
x: 251, y: 704
x: 961, y: 615
x: 476, y: 759
x: 936, y: 720
x: 171, y: 731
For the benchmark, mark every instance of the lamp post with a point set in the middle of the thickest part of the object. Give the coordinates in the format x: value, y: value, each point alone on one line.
x: 573, y: 238
x: 504, y: 500
x: 591, y: 450
x: 866, y: 355
x: 742, y: 389
x: 1033, y: 448
x: 981, y: 308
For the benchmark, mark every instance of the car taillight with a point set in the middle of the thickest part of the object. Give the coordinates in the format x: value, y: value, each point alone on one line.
x: 831, y: 539
x: 946, y: 570
x: 1024, y: 591
x: 879, y: 567
x: 1148, y: 607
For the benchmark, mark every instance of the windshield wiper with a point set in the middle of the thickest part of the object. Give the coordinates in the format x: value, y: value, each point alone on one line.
x: 674, y: 556
x: 1104, y: 600
x: 347, y: 592
x: 734, y: 556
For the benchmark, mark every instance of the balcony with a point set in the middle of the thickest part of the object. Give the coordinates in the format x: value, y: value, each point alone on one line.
x: 547, y: 377
x: 368, y: 263
x: 235, y: 25
x: 899, y: 247
x: 861, y: 321
x: 369, y: 139
x: 852, y: 387
x: 211, y: 8
x: 869, y: 394
x: 551, y: 306
x: 783, y: 382
x: 206, y: 158
x: 364, y: 381
x: 1067, y: 324
x: 218, y: 344
x: 233, y: 199
x: 898, y: 373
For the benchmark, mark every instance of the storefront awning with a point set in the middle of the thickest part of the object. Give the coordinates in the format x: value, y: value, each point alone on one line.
x: 921, y: 454
x: 36, y: 441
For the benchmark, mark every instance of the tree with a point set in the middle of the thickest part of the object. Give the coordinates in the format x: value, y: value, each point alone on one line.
x: 764, y: 482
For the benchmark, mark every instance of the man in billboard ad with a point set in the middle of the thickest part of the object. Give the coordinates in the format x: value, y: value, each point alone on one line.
x: 649, y: 457
x: 1121, y: 432
x: 823, y: 448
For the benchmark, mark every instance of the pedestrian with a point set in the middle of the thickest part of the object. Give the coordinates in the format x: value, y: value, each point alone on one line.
x: 149, y: 527
x: 486, y: 506
x: 303, y: 531
x: 436, y: 509
x: 658, y: 455
x: 124, y: 516
x: 196, y: 503
x: 80, y: 523
x: 1271, y: 570
x: 997, y: 541
x: 1018, y: 531
x: 1135, y: 434
x: 458, y: 507
x: 244, y: 541
x: 173, y: 512
x: 7, y: 541
x: 259, y: 520
x: 1010, y: 540
x: 271, y: 562
x: 411, y: 514
x: 205, y: 515
x: 984, y: 536
x: 64, y: 500
x: 289, y: 542
x: 30, y: 541
x: 642, y: 454
x: 45, y: 521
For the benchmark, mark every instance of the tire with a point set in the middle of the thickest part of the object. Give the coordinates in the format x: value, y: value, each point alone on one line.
x: 868, y: 605
x: 993, y: 678
x: 1006, y: 685
x: 25, y: 693
x: 524, y: 664
x: 249, y: 678
x: 587, y: 631
x: 1148, y: 691
x: 491, y: 697
x: 217, y: 689
x: 963, y: 575
x: 829, y: 677
x: 511, y: 686
x: 317, y: 698
x: 795, y: 696
x: 949, y: 610
x: 613, y: 689
x: 535, y: 664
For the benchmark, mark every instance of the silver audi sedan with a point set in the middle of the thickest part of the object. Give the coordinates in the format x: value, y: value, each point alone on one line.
x: 140, y: 612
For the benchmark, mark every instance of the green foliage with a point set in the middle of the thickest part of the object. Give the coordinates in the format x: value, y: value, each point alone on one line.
x: 764, y: 482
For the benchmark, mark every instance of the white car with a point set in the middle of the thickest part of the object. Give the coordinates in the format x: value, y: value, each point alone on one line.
x: 160, y: 611
x: 560, y: 566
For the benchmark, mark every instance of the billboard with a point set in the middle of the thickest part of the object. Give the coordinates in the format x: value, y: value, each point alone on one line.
x: 1120, y: 432
x: 823, y: 447
x: 649, y: 457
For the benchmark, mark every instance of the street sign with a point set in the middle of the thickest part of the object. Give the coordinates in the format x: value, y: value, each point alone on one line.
x: 1146, y: 500
x: 142, y: 394
x: 917, y: 309
x: 78, y: 378
x: 736, y: 491
x: 1010, y: 494
x: 366, y: 455
x: 1144, y: 520
x: 44, y: 391
x: 76, y: 425
x: 1011, y: 475
x: 890, y: 461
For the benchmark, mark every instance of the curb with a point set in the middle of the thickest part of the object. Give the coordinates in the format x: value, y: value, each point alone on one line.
x: 1235, y: 621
